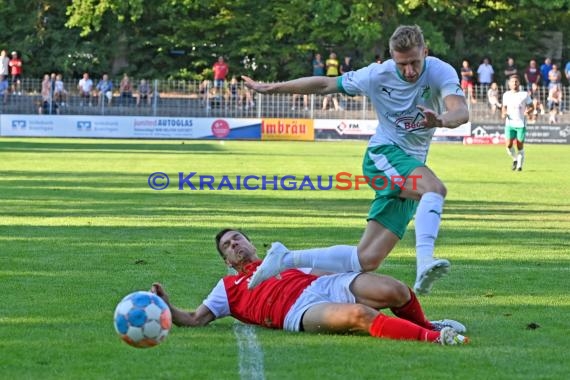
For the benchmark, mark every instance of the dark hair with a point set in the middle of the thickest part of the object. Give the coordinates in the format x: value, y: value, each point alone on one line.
x: 222, y: 233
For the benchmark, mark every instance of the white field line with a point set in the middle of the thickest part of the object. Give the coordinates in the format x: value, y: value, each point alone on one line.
x: 250, y: 353
x: 249, y: 350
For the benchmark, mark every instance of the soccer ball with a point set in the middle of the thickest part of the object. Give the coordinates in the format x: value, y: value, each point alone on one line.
x: 142, y: 319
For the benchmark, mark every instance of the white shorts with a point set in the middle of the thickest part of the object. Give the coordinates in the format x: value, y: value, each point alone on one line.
x: 334, y: 288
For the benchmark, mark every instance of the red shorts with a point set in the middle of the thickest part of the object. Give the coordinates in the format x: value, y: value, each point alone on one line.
x: 466, y: 84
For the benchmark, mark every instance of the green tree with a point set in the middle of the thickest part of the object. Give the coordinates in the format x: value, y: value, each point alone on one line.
x: 273, y: 40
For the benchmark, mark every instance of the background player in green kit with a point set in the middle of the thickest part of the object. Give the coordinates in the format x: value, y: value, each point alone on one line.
x: 516, y: 105
x: 412, y: 94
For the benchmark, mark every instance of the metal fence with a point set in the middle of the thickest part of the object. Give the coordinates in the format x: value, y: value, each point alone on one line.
x: 194, y: 99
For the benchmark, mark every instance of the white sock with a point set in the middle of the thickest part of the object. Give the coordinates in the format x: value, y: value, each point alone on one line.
x: 428, y: 218
x: 520, y: 158
x: 511, y: 152
x: 337, y: 259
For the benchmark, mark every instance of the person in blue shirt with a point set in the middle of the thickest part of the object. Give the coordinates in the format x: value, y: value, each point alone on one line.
x: 544, y: 70
x: 105, y: 89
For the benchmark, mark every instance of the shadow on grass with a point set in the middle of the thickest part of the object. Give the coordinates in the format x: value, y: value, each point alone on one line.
x: 51, y: 146
x: 118, y: 195
x: 103, y: 194
x: 156, y: 146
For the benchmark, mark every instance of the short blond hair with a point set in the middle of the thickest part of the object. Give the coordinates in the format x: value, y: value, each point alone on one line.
x: 406, y: 37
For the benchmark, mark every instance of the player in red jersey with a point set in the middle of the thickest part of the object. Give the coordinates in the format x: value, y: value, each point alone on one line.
x: 303, y: 300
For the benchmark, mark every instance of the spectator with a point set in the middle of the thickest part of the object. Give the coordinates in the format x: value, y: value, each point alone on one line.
x: 467, y: 80
x: 85, y: 87
x: 377, y: 58
x: 318, y: 66
x: 59, y: 93
x: 4, y: 88
x: 247, y: 98
x: 46, y: 88
x: 544, y: 70
x: 144, y: 92
x: 485, y: 73
x: 332, y: 70
x: 126, y: 89
x: 537, y: 105
x: 567, y: 71
x: 105, y: 90
x: 238, y: 95
x: 332, y: 66
x: 221, y: 70
x: 554, y: 102
x: 232, y: 92
x: 16, y: 71
x: 346, y: 65
x: 318, y: 70
x: 204, y: 91
x: 493, y: 97
x: 554, y: 77
x: 510, y: 69
x: 4, y: 64
x: 305, y: 101
x: 48, y: 106
x: 532, y: 74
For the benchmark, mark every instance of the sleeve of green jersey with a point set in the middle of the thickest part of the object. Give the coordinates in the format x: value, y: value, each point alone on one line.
x: 340, y: 87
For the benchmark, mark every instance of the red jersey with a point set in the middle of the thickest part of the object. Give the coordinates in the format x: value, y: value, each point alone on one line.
x: 15, y: 66
x: 220, y: 70
x: 266, y: 305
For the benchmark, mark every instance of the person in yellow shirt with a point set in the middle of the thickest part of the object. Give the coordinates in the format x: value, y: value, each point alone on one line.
x: 332, y: 70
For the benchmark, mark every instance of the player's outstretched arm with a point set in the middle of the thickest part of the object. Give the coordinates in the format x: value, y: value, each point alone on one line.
x: 201, y: 317
x: 306, y: 85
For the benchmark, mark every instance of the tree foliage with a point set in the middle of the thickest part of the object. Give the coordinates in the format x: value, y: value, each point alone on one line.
x: 272, y: 40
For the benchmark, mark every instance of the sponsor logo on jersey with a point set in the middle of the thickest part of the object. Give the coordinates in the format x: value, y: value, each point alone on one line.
x: 388, y: 91
x: 410, y: 123
x: 426, y: 92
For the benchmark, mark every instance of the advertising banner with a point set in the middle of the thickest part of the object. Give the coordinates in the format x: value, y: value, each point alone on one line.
x: 129, y: 127
x: 287, y: 129
x: 535, y: 133
x: 363, y: 129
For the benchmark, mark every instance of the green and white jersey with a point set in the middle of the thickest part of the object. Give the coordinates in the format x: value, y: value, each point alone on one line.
x: 516, y: 103
x: 395, y: 101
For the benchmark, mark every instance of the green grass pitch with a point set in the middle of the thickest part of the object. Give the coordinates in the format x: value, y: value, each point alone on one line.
x: 80, y: 228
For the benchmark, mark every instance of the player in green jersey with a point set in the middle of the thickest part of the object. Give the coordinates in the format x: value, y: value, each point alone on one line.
x: 412, y: 94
